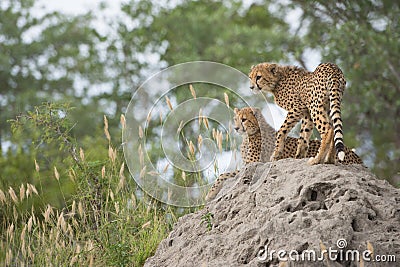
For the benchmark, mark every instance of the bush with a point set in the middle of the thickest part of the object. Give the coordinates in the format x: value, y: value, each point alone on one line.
x: 102, y: 223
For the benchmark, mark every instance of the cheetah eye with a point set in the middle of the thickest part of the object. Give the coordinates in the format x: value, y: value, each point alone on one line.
x: 258, y: 77
x: 244, y: 119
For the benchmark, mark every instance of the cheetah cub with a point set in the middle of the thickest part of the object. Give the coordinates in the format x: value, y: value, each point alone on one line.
x: 307, y: 96
x: 257, y: 145
x: 259, y: 142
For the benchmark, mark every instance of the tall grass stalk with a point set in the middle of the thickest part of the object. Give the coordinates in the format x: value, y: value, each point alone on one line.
x: 102, y: 224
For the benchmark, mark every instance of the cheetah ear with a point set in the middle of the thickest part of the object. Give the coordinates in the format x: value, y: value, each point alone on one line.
x: 274, y: 69
x: 255, y: 111
x: 235, y: 110
x: 252, y: 67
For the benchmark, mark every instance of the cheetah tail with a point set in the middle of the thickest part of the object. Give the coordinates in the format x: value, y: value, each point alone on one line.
x: 335, y: 97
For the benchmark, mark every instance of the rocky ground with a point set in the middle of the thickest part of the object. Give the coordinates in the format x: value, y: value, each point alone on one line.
x: 269, y: 214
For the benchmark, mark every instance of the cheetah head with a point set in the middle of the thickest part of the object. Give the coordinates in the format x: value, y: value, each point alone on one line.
x: 245, y: 120
x: 264, y: 77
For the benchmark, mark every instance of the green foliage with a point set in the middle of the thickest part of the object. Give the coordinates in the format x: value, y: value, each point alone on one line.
x: 102, y: 223
x: 220, y: 31
x: 207, y: 218
x: 39, y: 137
x: 41, y: 58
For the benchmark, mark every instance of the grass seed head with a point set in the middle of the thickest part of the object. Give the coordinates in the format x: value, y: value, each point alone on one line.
x: 191, y: 148
x: 32, y: 188
x: 81, y: 212
x: 81, y: 154
x: 123, y: 121
x: 21, y: 192
x: 15, y: 213
x: 30, y: 222
x: 219, y: 141
x: 146, y: 225
x: 37, y: 168
x: 106, y: 132
x: 12, y: 194
x: 3, y: 198
x: 205, y: 122
x: 116, y: 206
x: 112, y: 154
x: 142, y: 172
x: 122, y: 178
x: 73, y: 207
x: 199, y: 141
x: 140, y: 132
x: 192, y: 91
x: 148, y: 118
x: 166, y: 168
x: 10, y: 231
x: 111, y: 193
x: 168, y: 103
x: 56, y: 174
x: 103, y: 172
x: 226, y: 99
x: 47, y: 213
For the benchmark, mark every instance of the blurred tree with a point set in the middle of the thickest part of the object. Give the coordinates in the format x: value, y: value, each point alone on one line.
x: 220, y: 31
x: 49, y: 57
x: 362, y: 37
x: 42, y: 58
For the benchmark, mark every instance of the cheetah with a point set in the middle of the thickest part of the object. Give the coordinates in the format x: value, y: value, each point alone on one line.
x: 251, y: 124
x: 307, y: 96
x: 257, y: 145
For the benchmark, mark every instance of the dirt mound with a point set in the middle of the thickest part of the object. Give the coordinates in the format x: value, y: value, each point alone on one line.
x: 291, y: 214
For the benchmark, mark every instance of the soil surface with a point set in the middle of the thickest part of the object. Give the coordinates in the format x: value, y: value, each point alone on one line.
x: 270, y: 213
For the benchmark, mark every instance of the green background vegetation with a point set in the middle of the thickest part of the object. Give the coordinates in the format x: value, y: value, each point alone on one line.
x: 53, y: 71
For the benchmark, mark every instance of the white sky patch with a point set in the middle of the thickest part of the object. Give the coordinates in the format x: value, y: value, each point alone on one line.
x: 76, y: 7
x: 293, y: 18
x: 313, y: 58
x: 110, y: 10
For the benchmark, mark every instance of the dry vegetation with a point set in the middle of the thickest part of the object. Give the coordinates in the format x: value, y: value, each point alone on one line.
x: 102, y: 224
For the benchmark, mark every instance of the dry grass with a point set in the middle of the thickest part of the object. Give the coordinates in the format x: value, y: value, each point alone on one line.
x: 103, y: 224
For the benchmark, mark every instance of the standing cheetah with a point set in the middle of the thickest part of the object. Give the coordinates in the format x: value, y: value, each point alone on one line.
x: 307, y: 96
x: 259, y: 142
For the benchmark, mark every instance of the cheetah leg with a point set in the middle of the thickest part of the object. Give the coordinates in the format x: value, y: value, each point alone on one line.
x: 331, y: 154
x: 217, y: 186
x: 291, y: 119
x: 305, y: 133
x: 323, y: 149
x: 322, y: 123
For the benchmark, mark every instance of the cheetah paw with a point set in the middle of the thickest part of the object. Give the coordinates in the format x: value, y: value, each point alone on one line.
x: 312, y: 161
